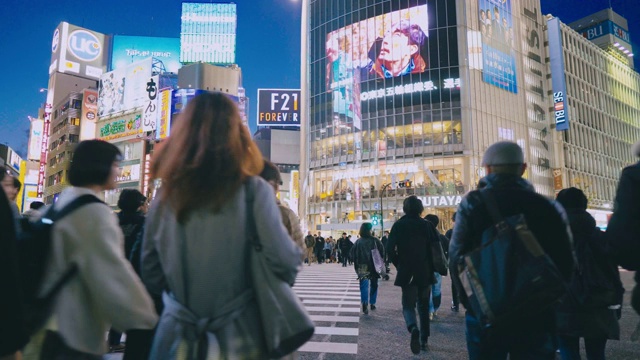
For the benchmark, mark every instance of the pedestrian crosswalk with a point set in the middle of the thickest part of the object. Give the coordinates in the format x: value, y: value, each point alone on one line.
x: 331, y: 295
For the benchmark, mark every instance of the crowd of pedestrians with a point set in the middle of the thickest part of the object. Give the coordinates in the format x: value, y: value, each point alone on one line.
x: 173, y: 273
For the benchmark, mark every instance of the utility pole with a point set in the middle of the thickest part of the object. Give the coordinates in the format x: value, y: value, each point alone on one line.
x: 384, y: 187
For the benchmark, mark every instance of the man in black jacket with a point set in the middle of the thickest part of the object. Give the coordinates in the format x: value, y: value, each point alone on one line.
x: 455, y: 298
x: 623, y: 229
x: 532, y: 336
x: 409, y: 249
x: 319, y: 249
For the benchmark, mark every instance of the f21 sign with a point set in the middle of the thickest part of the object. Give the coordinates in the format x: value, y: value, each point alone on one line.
x: 278, y: 107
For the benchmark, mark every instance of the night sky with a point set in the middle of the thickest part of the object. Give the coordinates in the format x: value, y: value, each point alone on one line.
x: 268, y: 43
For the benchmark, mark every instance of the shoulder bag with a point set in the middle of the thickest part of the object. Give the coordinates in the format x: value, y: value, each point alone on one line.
x: 285, y: 323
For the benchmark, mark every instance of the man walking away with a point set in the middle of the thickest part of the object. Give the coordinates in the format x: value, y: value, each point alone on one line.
x: 624, y: 228
x: 310, y: 243
x: 455, y: 298
x: 319, y: 249
x: 345, y: 249
x: 436, y: 289
x: 409, y: 250
x: 531, y: 335
x: 385, y: 241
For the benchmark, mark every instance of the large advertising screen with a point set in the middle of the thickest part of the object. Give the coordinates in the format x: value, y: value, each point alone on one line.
x: 392, y: 59
x: 124, y: 89
x: 278, y: 107
x: 129, y: 49
x: 498, y: 42
x: 78, y: 51
x: 208, y: 33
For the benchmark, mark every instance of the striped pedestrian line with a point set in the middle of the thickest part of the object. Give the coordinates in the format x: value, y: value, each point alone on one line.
x: 331, y: 295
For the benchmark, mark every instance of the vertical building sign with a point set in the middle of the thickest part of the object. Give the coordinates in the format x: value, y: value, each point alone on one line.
x: 295, y: 190
x: 35, y: 140
x: 151, y: 104
x: 164, y: 126
x: 534, y: 70
x: 558, y: 83
x: 44, y: 150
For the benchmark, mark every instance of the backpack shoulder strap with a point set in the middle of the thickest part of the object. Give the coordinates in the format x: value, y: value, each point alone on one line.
x: 492, y: 206
x: 74, y: 205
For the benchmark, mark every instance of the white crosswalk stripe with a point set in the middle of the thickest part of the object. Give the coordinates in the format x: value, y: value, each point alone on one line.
x: 331, y: 295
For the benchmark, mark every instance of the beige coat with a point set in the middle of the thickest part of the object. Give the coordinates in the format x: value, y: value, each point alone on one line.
x: 292, y: 223
x: 106, y: 292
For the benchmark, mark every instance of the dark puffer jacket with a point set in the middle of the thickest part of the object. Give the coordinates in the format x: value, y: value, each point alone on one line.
x: 583, y: 320
x: 545, y: 218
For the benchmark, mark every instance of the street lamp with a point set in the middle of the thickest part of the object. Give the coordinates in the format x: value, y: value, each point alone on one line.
x: 384, y: 187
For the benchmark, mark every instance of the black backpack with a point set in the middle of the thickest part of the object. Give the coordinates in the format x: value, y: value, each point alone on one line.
x: 34, y: 248
x: 596, y: 282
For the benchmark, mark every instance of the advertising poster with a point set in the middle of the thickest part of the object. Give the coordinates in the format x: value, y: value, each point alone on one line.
x: 498, y: 43
x: 131, y: 49
x: 150, y: 115
x: 165, y: 115
x: 89, y: 115
x: 124, y: 89
x: 35, y: 139
x: 278, y: 107
x: 129, y: 173
x: 120, y: 127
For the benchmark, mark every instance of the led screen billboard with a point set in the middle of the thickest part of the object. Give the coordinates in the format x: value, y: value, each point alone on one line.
x: 389, y: 60
x: 78, y: 51
x: 129, y: 49
x: 124, y: 89
x: 208, y: 33
x: 498, y: 43
x: 278, y: 107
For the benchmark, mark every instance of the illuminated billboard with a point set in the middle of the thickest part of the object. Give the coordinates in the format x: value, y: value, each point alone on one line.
x: 498, y: 43
x: 389, y: 60
x: 78, y: 51
x: 164, y: 126
x: 278, y: 107
x: 120, y: 126
x: 124, y: 89
x: 208, y: 33
x: 129, y: 49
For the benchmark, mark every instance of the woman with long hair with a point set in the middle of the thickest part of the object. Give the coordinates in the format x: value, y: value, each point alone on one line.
x: 365, y: 269
x: 196, y: 246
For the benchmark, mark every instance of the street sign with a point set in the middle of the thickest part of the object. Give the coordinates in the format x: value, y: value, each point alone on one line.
x: 376, y: 206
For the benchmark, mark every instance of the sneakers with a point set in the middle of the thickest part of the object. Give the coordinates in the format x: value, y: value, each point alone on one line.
x: 432, y: 315
x: 415, y: 340
x: 455, y: 308
x: 117, y: 348
x: 373, y: 307
x: 424, y: 346
x: 365, y: 310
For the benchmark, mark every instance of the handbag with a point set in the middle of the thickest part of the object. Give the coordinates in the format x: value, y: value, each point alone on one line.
x: 510, y: 275
x: 378, y: 263
x: 285, y: 323
x: 440, y: 262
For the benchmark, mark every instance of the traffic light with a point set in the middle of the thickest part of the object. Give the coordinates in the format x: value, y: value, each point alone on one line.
x: 374, y: 220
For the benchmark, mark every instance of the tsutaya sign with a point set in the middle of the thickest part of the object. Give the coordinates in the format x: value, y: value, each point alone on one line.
x: 441, y: 201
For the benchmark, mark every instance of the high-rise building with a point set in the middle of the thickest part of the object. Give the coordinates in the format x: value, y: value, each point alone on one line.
x: 403, y: 98
x: 602, y: 96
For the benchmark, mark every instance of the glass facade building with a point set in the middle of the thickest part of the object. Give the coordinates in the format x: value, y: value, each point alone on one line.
x: 404, y: 96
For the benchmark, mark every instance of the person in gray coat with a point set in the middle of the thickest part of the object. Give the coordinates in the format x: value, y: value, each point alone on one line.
x: 196, y: 244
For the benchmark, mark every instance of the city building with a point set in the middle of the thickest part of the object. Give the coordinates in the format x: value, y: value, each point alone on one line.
x: 282, y: 147
x: 602, y: 93
x: 64, y: 134
x: 10, y: 159
x: 403, y: 98
x: 609, y: 31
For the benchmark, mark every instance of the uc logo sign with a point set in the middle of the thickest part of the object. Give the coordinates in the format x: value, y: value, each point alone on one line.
x: 56, y: 40
x: 84, y: 45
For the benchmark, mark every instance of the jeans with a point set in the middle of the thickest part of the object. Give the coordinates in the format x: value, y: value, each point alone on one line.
x: 368, y: 296
x: 519, y: 345
x: 436, y: 294
x: 412, y: 295
x: 570, y: 348
x: 454, y: 295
